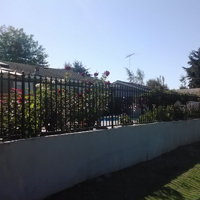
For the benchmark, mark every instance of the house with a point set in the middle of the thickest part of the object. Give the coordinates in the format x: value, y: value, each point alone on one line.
x: 40, y: 70
x: 15, y: 70
x: 130, y: 98
x: 129, y: 89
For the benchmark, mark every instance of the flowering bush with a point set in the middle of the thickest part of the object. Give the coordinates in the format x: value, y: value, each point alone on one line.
x: 54, y: 105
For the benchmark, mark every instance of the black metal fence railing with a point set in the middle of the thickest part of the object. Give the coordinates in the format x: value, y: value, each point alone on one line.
x: 33, y: 106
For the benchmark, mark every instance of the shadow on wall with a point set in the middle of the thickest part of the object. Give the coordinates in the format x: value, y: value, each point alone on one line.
x: 142, y: 181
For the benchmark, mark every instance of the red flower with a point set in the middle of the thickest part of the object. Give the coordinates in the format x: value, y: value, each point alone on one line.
x: 83, y: 74
x: 59, y: 91
x: 90, y: 83
x: 79, y: 95
x: 13, y: 89
x: 96, y: 74
x: 87, y: 90
x: 107, y: 73
x: 2, y: 101
x: 67, y: 67
x: 19, y: 91
x: 108, y: 83
x: 20, y: 100
x: 83, y: 81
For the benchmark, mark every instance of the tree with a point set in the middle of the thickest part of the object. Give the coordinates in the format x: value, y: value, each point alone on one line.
x: 193, y: 72
x: 17, y: 46
x: 138, y: 79
x: 78, y: 67
x: 183, y: 81
x: 157, y: 83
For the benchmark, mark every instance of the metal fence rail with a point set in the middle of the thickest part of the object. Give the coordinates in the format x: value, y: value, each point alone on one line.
x: 33, y: 106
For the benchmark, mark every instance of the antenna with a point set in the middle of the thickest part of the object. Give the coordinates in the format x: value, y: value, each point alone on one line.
x: 129, y: 59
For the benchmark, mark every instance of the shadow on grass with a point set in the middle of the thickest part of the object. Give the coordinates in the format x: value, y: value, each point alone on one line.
x: 165, y: 193
x: 138, y: 181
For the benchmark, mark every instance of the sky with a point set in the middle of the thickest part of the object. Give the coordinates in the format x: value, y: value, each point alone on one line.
x: 101, y: 33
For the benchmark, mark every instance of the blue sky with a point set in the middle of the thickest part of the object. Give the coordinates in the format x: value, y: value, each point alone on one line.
x: 101, y: 33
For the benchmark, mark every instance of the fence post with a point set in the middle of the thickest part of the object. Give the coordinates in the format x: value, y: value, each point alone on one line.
x: 23, y: 108
x: 112, y: 103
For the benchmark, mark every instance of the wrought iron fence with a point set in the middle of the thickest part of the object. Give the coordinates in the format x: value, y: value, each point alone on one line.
x: 32, y: 106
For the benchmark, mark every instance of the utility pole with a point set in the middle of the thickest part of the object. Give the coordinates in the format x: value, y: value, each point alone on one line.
x: 129, y: 56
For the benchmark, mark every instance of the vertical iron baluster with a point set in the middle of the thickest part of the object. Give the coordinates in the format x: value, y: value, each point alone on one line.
x: 102, y: 102
x: 93, y: 106
x: 89, y: 104
x: 148, y: 104
x: 2, y: 104
x: 117, y: 104
x: 86, y: 106
x: 35, y: 112
x: 29, y: 105
x: 127, y: 105
x: 9, y: 104
x: 46, y: 101
x: 15, y: 105
x: 65, y: 105
x: 82, y: 114
x: 112, y: 104
x: 120, y: 103
x: 78, y: 118
x: 74, y: 106
x: 96, y: 105
x: 136, y: 103
x: 130, y: 96
x: 40, y: 117
x: 23, y: 106
x: 70, y: 106
x: 52, y: 125
x: 106, y: 102
x: 61, y: 106
x: 56, y: 104
x: 135, y: 107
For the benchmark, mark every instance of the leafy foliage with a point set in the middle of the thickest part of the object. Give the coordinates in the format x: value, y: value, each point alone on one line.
x: 16, y: 46
x: 171, y: 112
x: 138, y: 79
x: 125, y: 120
x: 158, y: 83
x: 169, y: 105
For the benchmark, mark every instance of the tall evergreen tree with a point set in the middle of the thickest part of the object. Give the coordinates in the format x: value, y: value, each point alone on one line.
x: 193, y: 72
x: 16, y: 46
x: 78, y: 67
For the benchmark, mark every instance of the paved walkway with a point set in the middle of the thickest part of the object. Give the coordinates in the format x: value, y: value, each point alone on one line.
x: 137, y: 181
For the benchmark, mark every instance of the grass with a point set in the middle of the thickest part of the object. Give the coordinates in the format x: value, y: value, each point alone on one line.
x: 185, y: 186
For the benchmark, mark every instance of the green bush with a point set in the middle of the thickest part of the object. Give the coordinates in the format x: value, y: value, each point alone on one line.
x: 173, y: 112
x: 125, y: 120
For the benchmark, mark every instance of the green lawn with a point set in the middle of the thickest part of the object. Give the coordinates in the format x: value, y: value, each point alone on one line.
x: 185, y: 186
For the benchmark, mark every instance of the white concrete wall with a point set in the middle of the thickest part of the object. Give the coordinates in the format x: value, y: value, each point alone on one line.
x: 38, y: 167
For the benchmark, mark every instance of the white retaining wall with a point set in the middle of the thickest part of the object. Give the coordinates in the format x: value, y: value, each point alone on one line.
x: 38, y: 167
